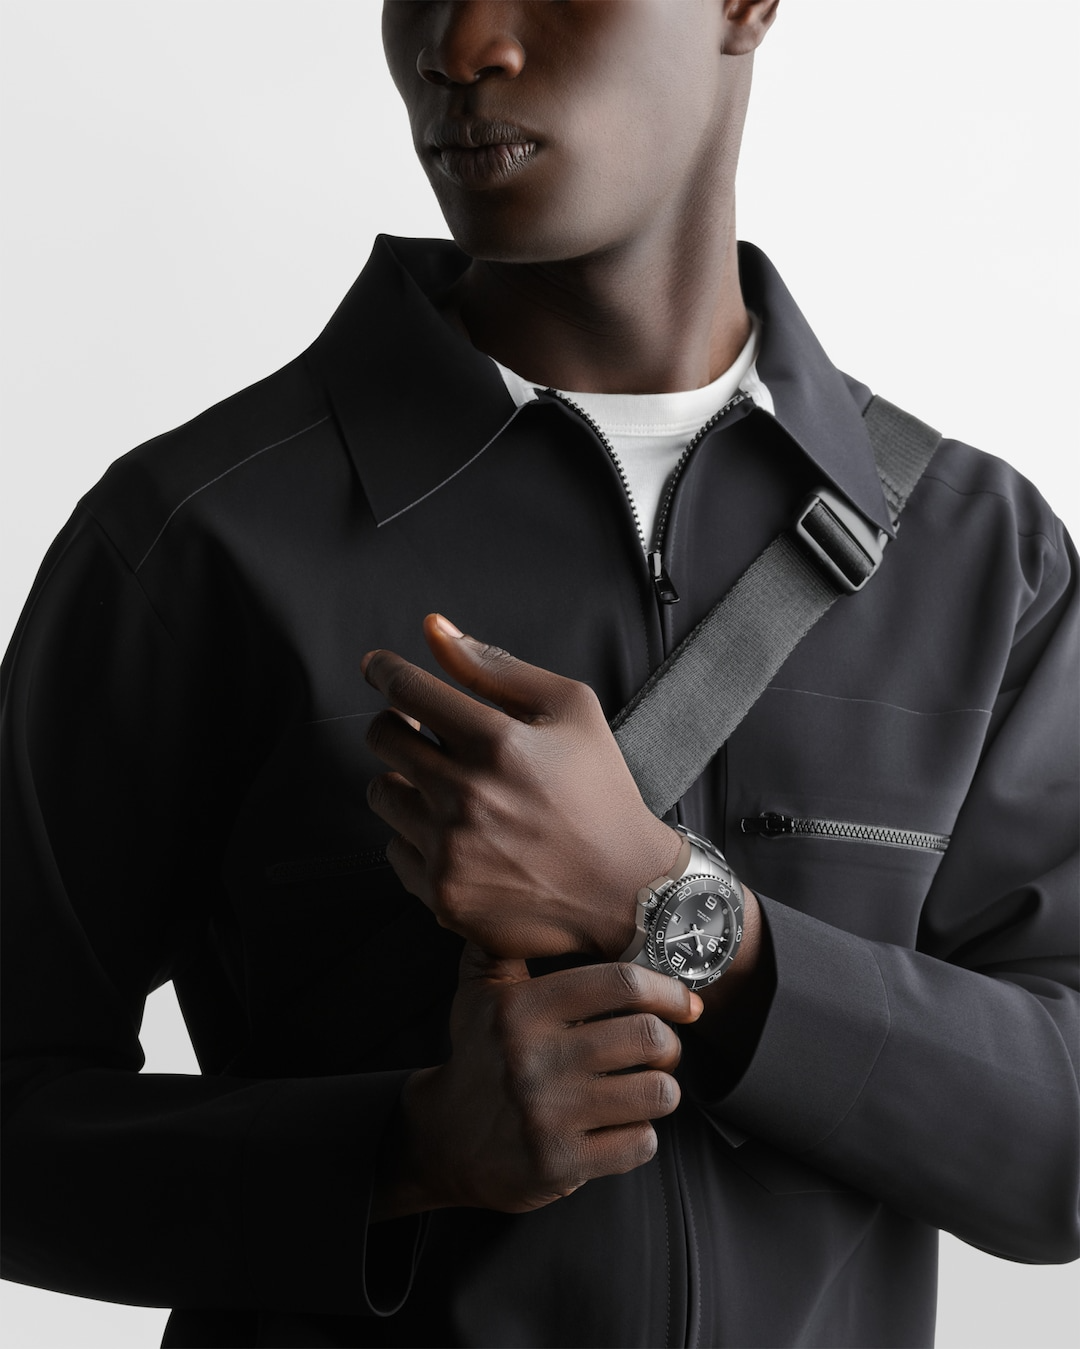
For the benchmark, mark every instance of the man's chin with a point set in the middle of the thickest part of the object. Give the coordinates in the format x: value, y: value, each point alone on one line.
x: 490, y: 234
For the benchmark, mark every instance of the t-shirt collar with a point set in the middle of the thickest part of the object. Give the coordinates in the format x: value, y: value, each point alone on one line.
x: 653, y: 414
x: 416, y: 403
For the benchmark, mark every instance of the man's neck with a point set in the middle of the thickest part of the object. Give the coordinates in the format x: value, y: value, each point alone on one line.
x: 641, y: 319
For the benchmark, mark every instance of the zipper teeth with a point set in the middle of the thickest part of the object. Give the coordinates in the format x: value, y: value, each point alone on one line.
x: 900, y: 838
x: 778, y: 826
x: 665, y: 507
x: 599, y: 433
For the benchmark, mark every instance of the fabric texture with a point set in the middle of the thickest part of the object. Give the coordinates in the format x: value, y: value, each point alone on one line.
x: 184, y: 787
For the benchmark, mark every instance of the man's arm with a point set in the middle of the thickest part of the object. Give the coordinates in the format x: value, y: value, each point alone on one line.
x: 123, y: 761
x: 939, y: 1080
x: 944, y: 1079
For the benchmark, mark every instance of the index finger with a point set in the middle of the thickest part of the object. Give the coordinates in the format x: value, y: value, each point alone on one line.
x: 599, y: 990
x: 450, y: 713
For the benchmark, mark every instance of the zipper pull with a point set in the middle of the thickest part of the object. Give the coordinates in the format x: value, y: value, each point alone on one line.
x: 768, y: 823
x: 661, y: 580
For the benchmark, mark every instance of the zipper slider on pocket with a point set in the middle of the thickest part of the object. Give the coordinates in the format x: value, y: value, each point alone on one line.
x: 768, y: 823
x: 661, y: 580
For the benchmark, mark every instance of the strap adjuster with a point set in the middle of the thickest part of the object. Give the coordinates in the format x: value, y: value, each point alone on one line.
x: 843, y: 541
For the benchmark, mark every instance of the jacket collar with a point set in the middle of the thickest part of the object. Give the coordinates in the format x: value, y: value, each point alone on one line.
x: 415, y: 402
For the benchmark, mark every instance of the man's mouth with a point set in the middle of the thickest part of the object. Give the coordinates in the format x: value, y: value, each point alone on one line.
x: 481, y: 153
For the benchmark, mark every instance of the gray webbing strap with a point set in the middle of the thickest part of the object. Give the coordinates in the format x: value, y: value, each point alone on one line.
x: 681, y: 716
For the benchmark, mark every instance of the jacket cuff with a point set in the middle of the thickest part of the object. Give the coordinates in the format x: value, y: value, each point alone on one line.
x: 826, y: 1026
x: 310, y: 1172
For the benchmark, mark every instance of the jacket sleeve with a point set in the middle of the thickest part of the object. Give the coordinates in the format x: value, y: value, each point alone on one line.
x: 943, y: 1080
x: 120, y: 776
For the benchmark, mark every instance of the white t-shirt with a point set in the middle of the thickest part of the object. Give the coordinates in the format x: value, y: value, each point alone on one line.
x: 649, y: 431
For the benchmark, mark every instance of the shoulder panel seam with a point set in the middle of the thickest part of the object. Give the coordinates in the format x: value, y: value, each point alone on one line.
x: 131, y: 571
x: 218, y: 477
x: 1001, y: 496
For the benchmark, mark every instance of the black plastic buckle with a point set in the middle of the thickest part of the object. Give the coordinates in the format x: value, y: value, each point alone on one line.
x: 849, y: 564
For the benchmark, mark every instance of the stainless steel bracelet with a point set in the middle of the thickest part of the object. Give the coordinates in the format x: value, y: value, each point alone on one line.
x: 697, y: 856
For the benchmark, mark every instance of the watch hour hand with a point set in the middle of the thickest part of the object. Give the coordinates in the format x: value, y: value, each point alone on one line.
x: 682, y: 936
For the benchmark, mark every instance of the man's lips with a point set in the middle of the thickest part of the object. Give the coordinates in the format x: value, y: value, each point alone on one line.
x: 485, y: 165
x: 482, y: 154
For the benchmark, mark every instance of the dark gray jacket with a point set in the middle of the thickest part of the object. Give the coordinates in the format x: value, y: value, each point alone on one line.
x: 184, y: 785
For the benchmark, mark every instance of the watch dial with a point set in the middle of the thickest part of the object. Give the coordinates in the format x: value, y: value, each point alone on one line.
x: 699, y: 930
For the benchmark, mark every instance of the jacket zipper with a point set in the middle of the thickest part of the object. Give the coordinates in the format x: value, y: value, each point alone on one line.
x: 666, y: 594
x: 662, y: 583
x: 772, y: 825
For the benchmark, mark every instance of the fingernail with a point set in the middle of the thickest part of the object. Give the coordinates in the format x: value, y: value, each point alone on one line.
x: 365, y: 661
x: 696, y: 1005
x: 444, y: 625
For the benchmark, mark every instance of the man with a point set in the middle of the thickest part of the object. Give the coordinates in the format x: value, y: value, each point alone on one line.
x: 891, y: 1024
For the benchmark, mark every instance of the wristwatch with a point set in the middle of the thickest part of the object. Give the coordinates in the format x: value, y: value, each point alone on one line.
x: 690, y: 922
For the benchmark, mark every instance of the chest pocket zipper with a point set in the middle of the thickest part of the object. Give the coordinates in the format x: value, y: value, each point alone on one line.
x: 772, y: 825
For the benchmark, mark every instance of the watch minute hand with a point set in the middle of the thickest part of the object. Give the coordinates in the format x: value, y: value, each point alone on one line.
x: 682, y: 936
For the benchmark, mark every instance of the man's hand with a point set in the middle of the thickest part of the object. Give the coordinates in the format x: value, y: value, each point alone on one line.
x: 535, y: 1099
x: 522, y: 829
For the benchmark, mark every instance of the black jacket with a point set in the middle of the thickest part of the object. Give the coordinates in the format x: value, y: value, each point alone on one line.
x: 184, y: 786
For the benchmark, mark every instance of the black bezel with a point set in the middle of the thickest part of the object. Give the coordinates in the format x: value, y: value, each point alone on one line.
x: 730, y: 896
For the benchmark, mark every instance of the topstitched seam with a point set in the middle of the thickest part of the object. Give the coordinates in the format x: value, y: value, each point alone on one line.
x: 1001, y: 496
x: 232, y: 468
x: 451, y: 476
x: 876, y: 702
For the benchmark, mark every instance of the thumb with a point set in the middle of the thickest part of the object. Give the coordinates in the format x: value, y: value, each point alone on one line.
x: 524, y: 691
x: 476, y: 963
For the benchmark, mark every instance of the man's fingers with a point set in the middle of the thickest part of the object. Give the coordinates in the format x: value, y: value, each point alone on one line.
x: 524, y: 691
x: 596, y: 990
x: 451, y: 714
x: 397, y: 802
x: 613, y: 1151
x: 620, y: 1042
x: 631, y: 1097
x: 409, y: 868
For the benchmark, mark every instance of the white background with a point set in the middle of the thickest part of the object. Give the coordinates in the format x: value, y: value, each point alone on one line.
x: 190, y: 186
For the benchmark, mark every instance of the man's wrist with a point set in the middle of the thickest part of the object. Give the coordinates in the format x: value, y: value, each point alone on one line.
x: 657, y: 856
x: 690, y: 920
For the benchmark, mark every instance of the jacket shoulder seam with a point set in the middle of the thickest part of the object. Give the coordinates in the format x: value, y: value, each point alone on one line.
x: 114, y: 548
x: 1001, y: 496
x: 218, y: 477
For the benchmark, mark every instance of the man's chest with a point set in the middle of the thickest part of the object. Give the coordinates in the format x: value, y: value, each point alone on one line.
x: 863, y: 745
